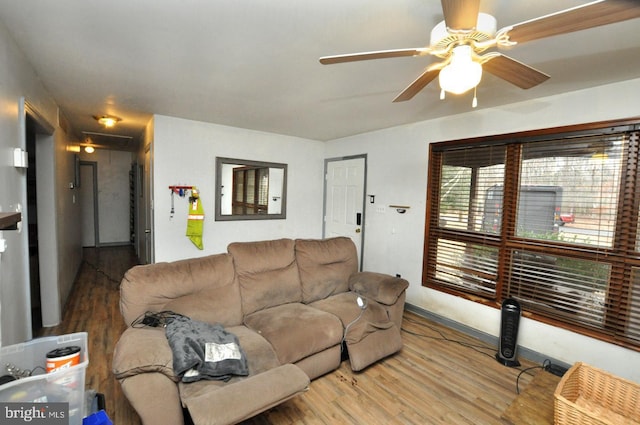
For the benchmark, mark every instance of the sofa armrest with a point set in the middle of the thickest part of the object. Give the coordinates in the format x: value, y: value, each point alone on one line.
x: 154, y: 397
x: 143, y: 350
x: 380, y: 287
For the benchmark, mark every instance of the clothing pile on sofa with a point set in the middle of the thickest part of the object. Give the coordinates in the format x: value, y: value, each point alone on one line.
x: 204, y: 351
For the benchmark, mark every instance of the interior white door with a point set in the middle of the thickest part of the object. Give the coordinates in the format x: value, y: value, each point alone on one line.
x: 344, y: 202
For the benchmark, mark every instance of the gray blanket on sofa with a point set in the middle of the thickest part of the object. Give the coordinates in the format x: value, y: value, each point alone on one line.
x: 204, y: 351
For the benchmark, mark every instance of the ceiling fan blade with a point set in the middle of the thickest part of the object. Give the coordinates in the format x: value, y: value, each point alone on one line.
x: 460, y: 15
x: 594, y: 14
x: 512, y: 71
x: 381, y: 54
x: 421, y: 82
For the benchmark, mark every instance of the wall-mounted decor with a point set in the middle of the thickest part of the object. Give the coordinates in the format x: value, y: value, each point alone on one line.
x: 250, y: 190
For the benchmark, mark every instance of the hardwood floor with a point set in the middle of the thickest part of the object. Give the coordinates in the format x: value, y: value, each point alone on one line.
x: 441, y: 376
x: 93, y: 307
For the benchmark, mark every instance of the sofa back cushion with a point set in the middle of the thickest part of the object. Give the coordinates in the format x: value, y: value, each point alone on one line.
x: 203, y: 289
x: 267, y: 273
x: 325, y: 266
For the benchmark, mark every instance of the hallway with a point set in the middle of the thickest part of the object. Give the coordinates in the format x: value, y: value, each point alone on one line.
x: 93, y: 308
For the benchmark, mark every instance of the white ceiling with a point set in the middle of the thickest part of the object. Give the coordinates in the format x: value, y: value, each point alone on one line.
x: 254, y: 64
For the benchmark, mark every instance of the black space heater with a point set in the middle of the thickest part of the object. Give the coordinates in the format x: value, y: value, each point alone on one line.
x: 509, y: 323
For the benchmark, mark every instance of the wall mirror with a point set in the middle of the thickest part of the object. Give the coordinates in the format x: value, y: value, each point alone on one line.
x: 250, y: 190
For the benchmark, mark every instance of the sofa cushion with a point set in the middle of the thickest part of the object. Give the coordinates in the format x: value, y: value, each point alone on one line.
x: 296, y: 330
x: 260, y: 354
x: 325, y: 266
x: 200, y: 288
x: 267, y: 273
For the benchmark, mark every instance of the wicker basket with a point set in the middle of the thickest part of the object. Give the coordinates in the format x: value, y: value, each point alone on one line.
x: 587, y: 395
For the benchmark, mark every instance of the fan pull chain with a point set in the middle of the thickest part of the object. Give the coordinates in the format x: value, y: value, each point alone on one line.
x: 441, y: 94
x: 474, y: 102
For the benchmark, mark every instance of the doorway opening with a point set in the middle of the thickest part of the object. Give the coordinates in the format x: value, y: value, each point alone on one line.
x: 32, y: 223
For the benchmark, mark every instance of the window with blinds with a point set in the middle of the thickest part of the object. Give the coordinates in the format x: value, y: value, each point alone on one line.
x: 551, y: 221
x: 470, y: 195
x: 250, y: 190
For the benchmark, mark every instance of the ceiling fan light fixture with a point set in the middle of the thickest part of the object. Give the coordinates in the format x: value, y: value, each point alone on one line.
x: 487, y: 24
x: 485, y: 29
x: 462, y: 74
x: 107, y: 120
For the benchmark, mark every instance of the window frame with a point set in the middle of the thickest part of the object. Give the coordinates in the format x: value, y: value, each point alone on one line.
x: 248, y: 190
x: 623, y: 255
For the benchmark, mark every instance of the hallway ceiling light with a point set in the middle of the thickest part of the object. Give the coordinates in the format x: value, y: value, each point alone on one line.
x: 89, y: 149
x: 107, y: 120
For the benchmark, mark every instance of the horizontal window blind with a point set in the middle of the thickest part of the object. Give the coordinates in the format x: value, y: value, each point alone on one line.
x: 571, y: 288
x: 569, y: 190
x: 466, y: 179
x: 568, y: 195
x: 552, y: 221
x: 467, y: 267
x: 631, y: 319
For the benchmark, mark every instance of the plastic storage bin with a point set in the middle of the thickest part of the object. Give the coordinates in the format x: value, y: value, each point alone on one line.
x: 65, y: 385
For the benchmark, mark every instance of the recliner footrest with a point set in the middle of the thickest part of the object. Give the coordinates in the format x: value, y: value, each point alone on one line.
x: 240, y: 400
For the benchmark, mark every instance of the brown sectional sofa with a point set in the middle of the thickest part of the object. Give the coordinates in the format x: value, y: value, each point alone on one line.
x: 292, y: 305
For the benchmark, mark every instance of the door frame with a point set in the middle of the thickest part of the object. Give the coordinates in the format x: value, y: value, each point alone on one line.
x: 46, y: 212
x: 148, y: 256
x: 94, y: 183
x: 364, y: 204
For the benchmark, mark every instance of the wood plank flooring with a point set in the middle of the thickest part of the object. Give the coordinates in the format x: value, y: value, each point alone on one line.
x: 93, y: 307
x: 441, y: 376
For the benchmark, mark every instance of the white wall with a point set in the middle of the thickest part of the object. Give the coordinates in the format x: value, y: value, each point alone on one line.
x: 184, y: 154
x: 113, y: 194
x: 397, y: 174
x: 17, y: 81
x: 65, y: 214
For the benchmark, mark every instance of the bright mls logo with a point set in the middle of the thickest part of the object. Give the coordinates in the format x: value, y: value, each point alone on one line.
x: 34, y: 413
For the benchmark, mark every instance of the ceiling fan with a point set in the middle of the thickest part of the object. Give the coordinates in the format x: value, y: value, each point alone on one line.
x: 465, y: 33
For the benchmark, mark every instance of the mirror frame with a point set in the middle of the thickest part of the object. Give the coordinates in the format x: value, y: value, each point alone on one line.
x: 220, y: 161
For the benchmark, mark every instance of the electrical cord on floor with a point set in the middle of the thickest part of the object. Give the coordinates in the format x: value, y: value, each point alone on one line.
x: 443, y: 337
x: 547, y: 365
x: 527, y: 371
x: 97, y: 270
